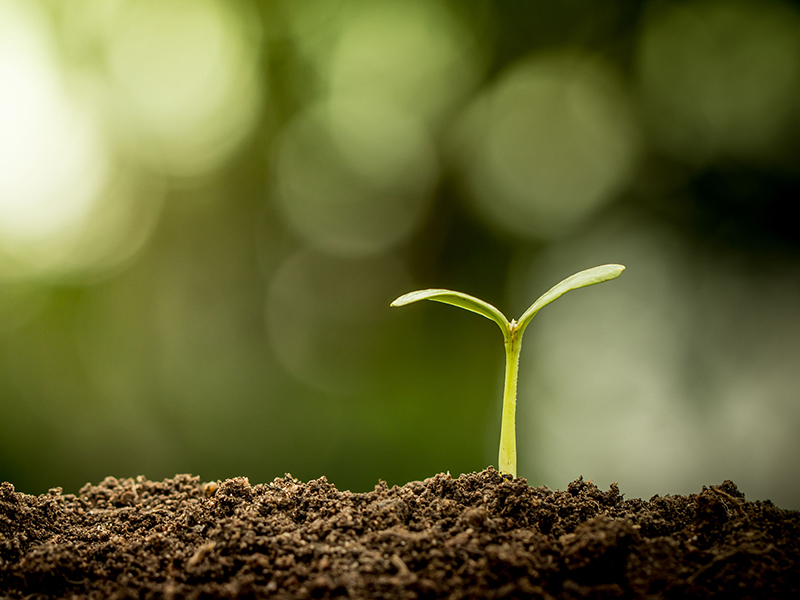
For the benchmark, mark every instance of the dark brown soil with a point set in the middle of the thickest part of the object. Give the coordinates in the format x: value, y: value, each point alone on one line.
x: 478, y: 536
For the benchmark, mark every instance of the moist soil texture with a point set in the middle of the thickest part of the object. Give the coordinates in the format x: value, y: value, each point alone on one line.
x: 481, y: 535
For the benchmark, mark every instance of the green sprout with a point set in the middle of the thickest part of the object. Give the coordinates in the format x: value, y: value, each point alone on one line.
x: 512, y: 336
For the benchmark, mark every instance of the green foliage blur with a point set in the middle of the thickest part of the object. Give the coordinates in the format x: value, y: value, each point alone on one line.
x: 207, y: 206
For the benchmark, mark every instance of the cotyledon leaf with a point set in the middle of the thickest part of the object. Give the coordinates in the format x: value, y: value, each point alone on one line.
x: 573, y: 282
x: 512, y: 333
x: 459, y: 299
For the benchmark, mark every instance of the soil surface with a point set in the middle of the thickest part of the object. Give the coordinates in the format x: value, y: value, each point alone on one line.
x: 481, y: 535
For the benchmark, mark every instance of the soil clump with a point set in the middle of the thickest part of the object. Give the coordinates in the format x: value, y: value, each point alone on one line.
x: 481, y: 535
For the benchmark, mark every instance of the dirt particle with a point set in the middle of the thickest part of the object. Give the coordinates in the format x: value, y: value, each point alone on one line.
x: 203, y: 551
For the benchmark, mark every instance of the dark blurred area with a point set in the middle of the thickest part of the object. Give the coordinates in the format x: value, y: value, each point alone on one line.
x: 206, y: 208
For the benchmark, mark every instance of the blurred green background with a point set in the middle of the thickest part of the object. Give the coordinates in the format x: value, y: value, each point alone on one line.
x: 206, y: 208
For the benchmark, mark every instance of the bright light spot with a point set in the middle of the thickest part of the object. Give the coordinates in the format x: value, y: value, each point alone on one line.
x: 355, y: 172
x: 187, y: 86
x: 53, y: 160
x: 720, y: 78
x: 412, y: 55
x: 354, y: 179
x: 552, y: 142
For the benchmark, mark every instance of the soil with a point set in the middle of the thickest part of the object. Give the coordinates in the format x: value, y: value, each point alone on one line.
x: 481, y: 535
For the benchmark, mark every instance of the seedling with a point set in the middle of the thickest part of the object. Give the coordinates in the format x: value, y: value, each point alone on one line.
x: 512, y: 337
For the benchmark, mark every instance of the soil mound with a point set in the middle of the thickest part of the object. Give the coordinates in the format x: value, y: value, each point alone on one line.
x: 481, y: 535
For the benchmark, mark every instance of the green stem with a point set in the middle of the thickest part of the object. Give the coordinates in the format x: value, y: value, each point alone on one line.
x: 508, y: 433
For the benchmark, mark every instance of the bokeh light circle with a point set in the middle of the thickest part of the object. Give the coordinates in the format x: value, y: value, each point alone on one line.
x: 414, y: 55
x: 354, y: 178
x: 66, y: 202
x: 186, y: 83
x: 551, y: 142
